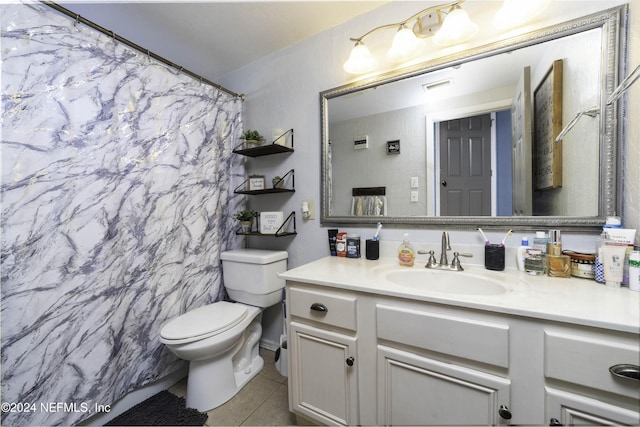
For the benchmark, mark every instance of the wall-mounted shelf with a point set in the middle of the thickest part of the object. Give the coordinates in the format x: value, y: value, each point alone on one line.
x: 265, y: 191
x: 266, y: 150
x: 281, y: 232
x: 242, y: 188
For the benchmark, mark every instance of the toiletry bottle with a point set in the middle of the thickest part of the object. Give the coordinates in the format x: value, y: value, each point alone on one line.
x: 599, y: 269
x: 535, y: 263
x: 406, y: 252
x: 634, y: 271
x: 611, y: 222
x: 353, y: 245
x: 521, y: 253
x: 341, y: 244
x: 558, y: 265
x: 540, y: 242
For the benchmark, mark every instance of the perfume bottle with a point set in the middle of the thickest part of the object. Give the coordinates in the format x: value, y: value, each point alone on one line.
x: 558, y: 265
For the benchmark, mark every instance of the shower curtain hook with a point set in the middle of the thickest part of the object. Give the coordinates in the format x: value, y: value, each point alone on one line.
x: 75, y: 24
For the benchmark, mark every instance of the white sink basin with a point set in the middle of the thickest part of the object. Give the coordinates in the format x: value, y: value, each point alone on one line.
x: 450, y: 282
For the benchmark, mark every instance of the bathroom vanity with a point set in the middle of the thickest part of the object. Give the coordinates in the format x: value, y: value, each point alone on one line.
x: 372, y: 343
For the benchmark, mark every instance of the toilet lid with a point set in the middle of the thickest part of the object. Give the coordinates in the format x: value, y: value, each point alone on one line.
x: 207, y: 320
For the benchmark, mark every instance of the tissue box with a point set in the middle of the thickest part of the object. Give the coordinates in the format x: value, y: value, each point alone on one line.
x: 270, y: 222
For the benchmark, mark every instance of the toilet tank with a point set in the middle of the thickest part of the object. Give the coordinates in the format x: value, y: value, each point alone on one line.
x: 250, y: 275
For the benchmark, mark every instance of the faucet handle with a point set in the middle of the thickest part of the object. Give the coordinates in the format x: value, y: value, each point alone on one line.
x: 432, y: 258
x: 455, y: 264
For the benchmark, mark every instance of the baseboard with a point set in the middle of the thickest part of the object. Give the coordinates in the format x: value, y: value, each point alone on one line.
x: 137, y: 396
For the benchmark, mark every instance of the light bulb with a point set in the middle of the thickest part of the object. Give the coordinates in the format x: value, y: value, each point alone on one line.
x: 456, y: 28
x: 404, y: 45
x: 360, y: 60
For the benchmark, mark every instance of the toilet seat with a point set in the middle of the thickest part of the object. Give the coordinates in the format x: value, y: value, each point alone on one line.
x: 203, y: 322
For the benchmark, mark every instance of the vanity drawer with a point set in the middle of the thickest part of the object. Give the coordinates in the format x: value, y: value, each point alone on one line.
x: 586, y: 359
x: 472, y: 339
x: 328, y: 307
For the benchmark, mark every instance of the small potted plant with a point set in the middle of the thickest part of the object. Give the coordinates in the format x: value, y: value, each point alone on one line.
x: 252, y: 137
x: 277, y: 182
x: 246, y: 217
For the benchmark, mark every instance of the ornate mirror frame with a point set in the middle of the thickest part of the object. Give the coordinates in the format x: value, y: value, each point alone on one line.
x: 613, y: 23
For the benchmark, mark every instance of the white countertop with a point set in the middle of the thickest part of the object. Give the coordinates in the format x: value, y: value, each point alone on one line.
x: 573, y: 300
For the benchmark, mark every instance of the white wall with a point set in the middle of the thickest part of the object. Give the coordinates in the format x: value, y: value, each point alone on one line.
x: 393, y: 171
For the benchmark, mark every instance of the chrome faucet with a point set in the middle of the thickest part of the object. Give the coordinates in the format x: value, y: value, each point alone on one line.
x: 444, y: 247
x: 444, y: 262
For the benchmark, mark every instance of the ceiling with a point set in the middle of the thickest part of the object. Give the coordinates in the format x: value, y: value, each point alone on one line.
x: 211, y: 38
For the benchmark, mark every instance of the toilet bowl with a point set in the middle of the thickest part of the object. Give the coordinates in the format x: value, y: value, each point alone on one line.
x: 220, y: 340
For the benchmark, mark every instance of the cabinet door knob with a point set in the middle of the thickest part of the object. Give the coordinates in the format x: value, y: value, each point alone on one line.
x: 554, y: 422
x: 630, y: 372
x: 504, y: 412
x: 316, y: 306
x: 350, y: 361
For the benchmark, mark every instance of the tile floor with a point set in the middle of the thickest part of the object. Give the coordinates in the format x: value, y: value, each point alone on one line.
x: 262, y: 402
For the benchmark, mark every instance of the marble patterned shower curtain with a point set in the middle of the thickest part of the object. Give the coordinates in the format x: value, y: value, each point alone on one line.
x: 116, y: 203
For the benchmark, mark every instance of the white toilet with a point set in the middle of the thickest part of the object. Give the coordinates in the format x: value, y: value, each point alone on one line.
x: 220, y: 340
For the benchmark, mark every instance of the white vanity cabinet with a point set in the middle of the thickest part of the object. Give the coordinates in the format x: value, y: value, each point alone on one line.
x: 580, y: 387
x: 374, y: 358
x: 438, y: 368
x: 323, y: 356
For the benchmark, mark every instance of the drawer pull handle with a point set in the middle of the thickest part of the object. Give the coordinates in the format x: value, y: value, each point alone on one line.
x: 554, y: 422
x: 350, y: 361
x: 504, y: 412
x: 630, y: 372
x: 316, y: 306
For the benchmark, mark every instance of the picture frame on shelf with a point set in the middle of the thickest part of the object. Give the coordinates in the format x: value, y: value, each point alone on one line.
x: 257, y: 182
x: 270, y: 222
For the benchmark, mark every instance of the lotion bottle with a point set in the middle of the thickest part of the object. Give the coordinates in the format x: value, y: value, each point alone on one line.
x: 406, y: 252
x: 521, y: 253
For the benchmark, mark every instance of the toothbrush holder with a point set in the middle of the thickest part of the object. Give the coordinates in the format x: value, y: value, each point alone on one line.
x: 494, y: 257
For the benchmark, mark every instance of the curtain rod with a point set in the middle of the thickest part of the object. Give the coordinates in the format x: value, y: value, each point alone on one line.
x: 139, y: 48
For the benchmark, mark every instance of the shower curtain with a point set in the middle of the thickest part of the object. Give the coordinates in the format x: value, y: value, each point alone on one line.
x: 117, y: 178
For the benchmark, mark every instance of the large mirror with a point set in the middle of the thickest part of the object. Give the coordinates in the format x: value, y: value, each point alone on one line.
x: 467, y: 140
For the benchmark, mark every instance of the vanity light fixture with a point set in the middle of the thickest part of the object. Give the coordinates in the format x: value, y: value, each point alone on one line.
x: 456, y: 27
x: 517, y: 12
x: 360, y: 60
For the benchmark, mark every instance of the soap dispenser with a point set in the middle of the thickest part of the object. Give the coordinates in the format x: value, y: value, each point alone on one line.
x: 406, y: 252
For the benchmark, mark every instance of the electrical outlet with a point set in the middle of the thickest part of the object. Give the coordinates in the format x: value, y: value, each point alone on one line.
x: 414, y: 197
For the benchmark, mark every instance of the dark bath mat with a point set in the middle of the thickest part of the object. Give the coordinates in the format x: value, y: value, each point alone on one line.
x: 162, y: 409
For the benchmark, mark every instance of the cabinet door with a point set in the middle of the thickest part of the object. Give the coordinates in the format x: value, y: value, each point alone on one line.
x: 573, y: 409
x: 324, y: 380
x: 414, y: 390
